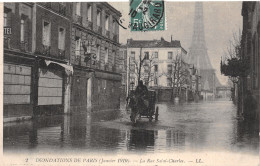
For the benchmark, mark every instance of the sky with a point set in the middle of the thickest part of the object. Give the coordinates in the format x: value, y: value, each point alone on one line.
x: 221, y: 21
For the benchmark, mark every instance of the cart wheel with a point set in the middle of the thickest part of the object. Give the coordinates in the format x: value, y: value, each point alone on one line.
x: 156, y: 113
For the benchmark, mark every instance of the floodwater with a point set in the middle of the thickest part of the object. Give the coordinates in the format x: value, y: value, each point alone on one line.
x: 192, y: 127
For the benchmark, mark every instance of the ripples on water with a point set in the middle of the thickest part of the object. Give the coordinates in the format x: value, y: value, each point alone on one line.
x: 186, y: 127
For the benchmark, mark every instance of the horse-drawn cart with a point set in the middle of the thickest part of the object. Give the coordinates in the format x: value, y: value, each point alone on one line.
x: 143, y: 107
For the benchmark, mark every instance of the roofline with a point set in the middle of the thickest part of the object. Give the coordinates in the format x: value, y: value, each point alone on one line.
x: 112, y: 8
x: 184, y: 50
x: 156, y: 47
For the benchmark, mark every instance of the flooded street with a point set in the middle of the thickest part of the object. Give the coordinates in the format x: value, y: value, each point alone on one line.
x: 189, y: 127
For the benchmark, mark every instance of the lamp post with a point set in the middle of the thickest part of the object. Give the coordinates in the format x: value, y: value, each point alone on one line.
x: 88, y: 55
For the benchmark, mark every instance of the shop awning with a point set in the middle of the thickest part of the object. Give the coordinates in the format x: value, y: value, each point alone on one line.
x: 68, y: 68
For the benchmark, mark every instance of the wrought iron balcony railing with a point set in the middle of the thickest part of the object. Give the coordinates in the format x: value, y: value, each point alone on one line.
x: 7, y: 42
x: 78, y: 19
x: 114, y: 68
x: 115, y: 38
x: 62, y: 9
x: 90, y: 25
x: 106, y: 67
x: 24, y: 46
x: 61, y: 54
x: 99, y: 28
x: 47, y: 4
x: 46, y: 50
x: 107, y: 33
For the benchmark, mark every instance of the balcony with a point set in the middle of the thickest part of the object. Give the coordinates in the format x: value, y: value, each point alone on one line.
x: 106, y: 67
x: 46, y: 50
x: 114, y: 68
x: 99, y: 30
x: 62, y: 9
x: 47, y: 4
x: 97, y: 65
x: 61, y: 54
x: 78, y: 19
x: 89, y: 25
x: 24, y: 46
x: 7, y: 43
x: 115, y: 38
x: 107, y: 33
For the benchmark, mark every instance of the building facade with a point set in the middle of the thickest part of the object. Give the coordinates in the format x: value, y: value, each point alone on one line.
x: 123, y: 68
x: 162, y: 69
x: 18, y: 60
x: 250, y: 45
x: 34, y: 53
x: 95, y: 57
x: 60, y: 58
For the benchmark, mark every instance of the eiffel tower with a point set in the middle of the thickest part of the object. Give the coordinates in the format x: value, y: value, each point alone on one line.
x: 198, y: 55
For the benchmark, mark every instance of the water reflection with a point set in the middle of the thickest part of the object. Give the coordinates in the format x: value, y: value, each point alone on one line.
x: 141, y: 139
x: 189, y: 127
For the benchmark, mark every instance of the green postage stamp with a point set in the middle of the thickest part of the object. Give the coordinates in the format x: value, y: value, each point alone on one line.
x: 147, y: 15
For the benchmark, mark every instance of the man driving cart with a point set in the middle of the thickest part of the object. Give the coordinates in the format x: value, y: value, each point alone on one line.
x: 141, y: 93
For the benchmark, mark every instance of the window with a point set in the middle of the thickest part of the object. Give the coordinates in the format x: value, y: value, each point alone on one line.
x: 132, y: 67
x: 61, y: 41
x: 46, y: 33
x: 89, y: 13
x: 169, y: 69
x: 114, y: 27
x: 99, y: 88
x: 155, y: 68
x: 98, y: 18
x: 155, y: 54
x: 169, y: 81
x: 5, y: 19
x: 98, y: 52
x: 22, y: 30
x: 113, y: 57
x: 155, y: 81
x: 132, y: 80
x: 78, y: 8
x: 106, y: 56
x: 169, y: 55
x: 77, y: 47
x: 146, y: 55
x: 107, y: 23
x: 132, y: 55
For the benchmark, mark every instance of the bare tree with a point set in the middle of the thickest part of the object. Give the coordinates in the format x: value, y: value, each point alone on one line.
x: 179, y: 75
x: 144, y: 68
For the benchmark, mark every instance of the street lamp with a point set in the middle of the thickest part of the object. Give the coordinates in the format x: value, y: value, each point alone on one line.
x: 88, y: 55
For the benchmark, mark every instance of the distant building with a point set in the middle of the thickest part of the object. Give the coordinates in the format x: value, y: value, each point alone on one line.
x: 159, y: 65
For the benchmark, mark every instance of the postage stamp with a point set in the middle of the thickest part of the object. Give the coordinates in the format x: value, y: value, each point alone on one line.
x: 147, y: 15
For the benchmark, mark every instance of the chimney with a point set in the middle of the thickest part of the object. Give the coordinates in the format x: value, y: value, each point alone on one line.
x: 171, y: 38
